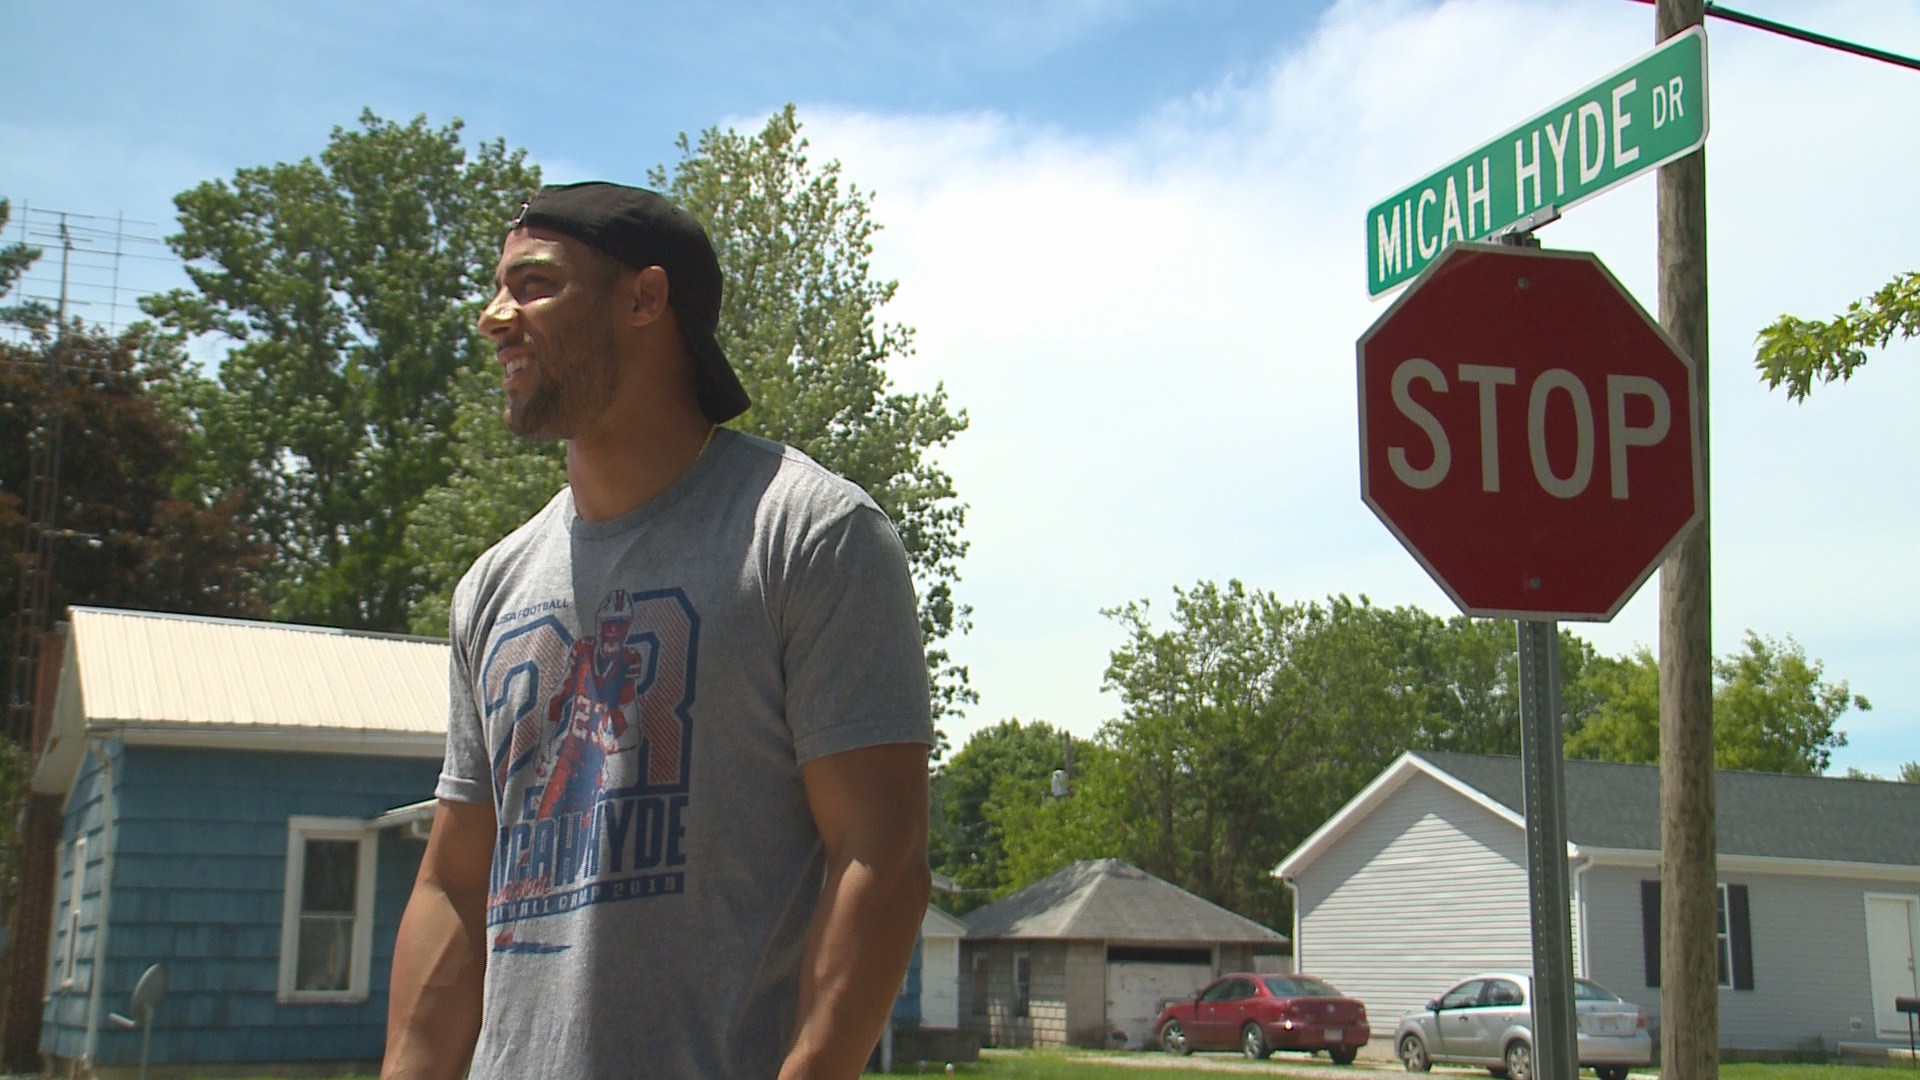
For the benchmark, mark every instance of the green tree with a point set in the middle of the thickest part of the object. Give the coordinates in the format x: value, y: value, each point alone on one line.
x: 15, y: 259
x: 1251, y: 720
x: 1795, y: 351
x: 801, y: 324
x: 346, y: 287
x: 128, y: 527
x: 1773, y: 710
x: 1008, y: 763
x: 1910, y: 773
x: 1244, y: 725
x: 1624, y: 724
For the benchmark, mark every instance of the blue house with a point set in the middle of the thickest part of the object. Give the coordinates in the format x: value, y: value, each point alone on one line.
x: 246, y: 804
x: 227, y: 788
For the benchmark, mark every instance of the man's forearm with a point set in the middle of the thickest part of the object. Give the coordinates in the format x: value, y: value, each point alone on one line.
x: 434, y: 1003
x: 857, y: 952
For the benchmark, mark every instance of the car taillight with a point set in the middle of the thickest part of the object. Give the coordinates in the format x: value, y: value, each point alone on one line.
x: 1640, y: 1020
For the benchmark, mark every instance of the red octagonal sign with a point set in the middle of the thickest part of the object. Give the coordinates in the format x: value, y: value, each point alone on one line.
x: 1528, y: 432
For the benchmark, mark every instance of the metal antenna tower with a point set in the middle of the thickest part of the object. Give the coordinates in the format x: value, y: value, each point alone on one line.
x: 36, y: 548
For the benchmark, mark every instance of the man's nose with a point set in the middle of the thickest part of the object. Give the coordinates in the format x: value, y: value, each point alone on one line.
x: 496, y: 318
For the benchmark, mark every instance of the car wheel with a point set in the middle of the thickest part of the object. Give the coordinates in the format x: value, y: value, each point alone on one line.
x: 1413, y: 1054
x: 1173, y: 1038
x: 1519, y: 1060
x: 1611, y: 1072
x: 1344, y: 1055
x: 1253, y: 1042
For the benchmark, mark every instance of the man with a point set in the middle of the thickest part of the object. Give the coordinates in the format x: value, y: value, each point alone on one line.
x: 682, y: 822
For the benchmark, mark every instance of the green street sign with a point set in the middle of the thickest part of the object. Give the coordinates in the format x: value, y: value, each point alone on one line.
x: 1638, y: 118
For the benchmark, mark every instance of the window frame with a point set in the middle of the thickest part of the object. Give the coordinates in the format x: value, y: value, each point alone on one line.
x: 300, y: 830
x: 982, y: 984
x: 76, y: 891
x: 1722, y: 936
x: 1022, y: 985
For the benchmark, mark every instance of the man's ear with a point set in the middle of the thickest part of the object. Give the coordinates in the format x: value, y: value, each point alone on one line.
x: 645, y: 295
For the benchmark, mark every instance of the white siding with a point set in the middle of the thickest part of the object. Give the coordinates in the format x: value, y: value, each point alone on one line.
x: 1810, y: 974
x: 1429, y: 887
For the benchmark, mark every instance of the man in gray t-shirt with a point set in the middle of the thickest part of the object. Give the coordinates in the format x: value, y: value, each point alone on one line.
x: 682, y: 822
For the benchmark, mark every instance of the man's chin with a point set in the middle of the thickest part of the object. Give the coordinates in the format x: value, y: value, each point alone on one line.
x: 522, y: 422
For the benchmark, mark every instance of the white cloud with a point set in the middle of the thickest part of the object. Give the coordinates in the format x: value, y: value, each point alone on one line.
x: 1154, y: 334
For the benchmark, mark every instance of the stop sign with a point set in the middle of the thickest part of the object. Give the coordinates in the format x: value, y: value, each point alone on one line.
x: 1528, y: 432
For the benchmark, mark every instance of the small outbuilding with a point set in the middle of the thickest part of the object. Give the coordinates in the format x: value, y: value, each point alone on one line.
x: 1086, y: 956
x: 1421, y: 880
x: 225, y: 788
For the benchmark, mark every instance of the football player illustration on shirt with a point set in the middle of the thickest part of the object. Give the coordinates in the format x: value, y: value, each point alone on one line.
x: 594, y: 709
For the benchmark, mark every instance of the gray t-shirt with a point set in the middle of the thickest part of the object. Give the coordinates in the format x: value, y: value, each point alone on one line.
x: 635, y: 697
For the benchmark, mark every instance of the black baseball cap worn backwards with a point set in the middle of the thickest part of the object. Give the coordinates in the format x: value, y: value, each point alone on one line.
x: 644, y: 228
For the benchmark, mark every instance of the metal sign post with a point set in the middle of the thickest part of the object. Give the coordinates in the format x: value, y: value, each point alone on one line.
x: 1556, y: 1051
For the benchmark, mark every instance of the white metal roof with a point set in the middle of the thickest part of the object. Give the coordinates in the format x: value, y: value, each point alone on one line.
x: 191, y: 680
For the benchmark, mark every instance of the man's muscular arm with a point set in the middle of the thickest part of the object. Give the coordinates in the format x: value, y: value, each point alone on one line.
x: 439, y: 958
x: 870, y: 806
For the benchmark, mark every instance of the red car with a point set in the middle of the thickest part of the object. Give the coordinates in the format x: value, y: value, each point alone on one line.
x: 1259, y: 1014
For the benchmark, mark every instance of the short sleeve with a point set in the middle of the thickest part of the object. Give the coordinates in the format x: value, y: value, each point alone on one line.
x: 464, y: 777
x: 855, y: 667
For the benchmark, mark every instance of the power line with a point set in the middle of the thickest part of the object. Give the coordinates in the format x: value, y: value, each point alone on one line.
x: 1809, y: 36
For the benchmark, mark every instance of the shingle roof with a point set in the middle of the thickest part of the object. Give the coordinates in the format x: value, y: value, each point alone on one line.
x: 1114, y: 901
x: 1610, y: 805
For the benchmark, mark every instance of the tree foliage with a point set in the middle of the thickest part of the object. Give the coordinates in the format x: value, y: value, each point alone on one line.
x: 802, y: 325
x: 801, y: 322
x: 1248, y: 721
x: 1796, y: 352
x: 1773, y: 710
x: 1000, y: 766
x: 128, y: 528
x: 131, y: 529
x: 346, y: 287
x: 15, y: 259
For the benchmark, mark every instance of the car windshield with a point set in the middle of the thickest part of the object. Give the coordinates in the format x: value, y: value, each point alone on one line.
x: 1298, y: 986
x: 1592, y: 991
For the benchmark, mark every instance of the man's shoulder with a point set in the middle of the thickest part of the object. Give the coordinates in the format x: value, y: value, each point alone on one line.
x: 547, y: 522
x: 793, y: 479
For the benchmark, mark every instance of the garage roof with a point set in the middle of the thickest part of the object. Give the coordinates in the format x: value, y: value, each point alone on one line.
x: 1116, y: 902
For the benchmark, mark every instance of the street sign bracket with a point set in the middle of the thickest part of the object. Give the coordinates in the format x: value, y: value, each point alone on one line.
x: 1520, y: 233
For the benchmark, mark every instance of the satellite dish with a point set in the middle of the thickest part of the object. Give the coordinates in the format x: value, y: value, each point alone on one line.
x: 148, y: 992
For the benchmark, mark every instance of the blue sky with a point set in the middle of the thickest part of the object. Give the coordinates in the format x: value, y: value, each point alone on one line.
x: 1129, y: 235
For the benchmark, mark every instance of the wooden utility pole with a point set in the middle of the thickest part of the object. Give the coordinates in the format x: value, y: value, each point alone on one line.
x: 1689, y: 965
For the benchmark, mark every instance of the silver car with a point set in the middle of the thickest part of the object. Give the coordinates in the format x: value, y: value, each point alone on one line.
x: 1485, y: 1020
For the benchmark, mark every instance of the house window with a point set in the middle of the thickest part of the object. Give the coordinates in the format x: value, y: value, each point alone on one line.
x: 1022, y: 984
x: 1722, y: 942
x: 326, y: 931
x: 76, y: 884
x: 981, y: 970
x: 1733, y: 934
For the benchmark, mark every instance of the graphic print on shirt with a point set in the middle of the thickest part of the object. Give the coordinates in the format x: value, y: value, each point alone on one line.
x: 593, y: 742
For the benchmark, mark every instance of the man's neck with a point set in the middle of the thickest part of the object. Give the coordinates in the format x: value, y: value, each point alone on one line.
x: 615, y: 471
